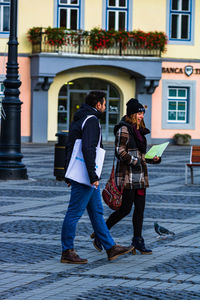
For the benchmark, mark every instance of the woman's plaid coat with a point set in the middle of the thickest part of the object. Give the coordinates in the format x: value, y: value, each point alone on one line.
x: 131, y: 168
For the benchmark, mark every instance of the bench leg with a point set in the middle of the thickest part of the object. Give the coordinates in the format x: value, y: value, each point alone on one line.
x: 186, y: 173
x: 192, y: 179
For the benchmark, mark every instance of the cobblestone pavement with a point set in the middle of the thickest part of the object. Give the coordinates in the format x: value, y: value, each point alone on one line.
x: 31, y: 215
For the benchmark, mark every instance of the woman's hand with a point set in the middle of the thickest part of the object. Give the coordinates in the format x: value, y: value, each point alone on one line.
x: 156, y: 158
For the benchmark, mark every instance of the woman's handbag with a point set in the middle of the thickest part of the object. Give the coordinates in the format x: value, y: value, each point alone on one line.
x: 112, y: 196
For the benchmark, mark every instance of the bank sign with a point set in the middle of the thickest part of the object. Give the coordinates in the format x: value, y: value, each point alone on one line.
x: 188, y: 70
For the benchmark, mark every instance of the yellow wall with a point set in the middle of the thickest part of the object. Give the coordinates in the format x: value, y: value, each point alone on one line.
x: 149, y: 15
x: 30, y: 13
x: 183, y: 51
x: 33, y: 13
x: 152, y: 16
x: 93, y: 14
x: 187, y: 51
x: 3, y: 45
x: 119, y: 79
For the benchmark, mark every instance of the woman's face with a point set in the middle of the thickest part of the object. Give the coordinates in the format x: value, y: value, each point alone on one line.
x: 139, y: 117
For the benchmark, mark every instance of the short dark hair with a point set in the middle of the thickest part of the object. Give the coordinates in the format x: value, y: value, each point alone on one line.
x: 94, y: 97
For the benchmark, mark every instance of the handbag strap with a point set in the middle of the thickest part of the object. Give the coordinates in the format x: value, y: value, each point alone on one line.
x: 112, y: 175
x: 83, y: 124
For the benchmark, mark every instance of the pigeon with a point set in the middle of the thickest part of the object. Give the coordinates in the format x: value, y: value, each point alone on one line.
x: 162, y: 230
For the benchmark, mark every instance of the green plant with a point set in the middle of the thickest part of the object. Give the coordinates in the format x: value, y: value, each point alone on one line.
x: 74, y: 37
x: 184, y: 137
x: 100, y: 38
x: 150, y: 40
x: 55, y: 36
x: 35, y: 35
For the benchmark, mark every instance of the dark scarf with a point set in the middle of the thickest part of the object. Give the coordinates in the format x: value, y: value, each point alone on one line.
x: 140, y: 138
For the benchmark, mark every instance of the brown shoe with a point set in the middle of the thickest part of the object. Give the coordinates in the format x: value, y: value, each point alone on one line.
x: 96, y: 242
x: 92, y: 236
x: 71, y: 257
x: 118, y: 250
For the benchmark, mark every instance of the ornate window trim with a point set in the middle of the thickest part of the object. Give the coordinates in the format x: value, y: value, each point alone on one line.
x: 191, y: 86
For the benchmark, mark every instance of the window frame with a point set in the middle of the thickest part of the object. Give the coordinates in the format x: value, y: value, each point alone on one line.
x: 117, y: 9
x: 190, y: 13
x: 68, y: 8
x: 177, y: 99
x: 2, y: 6
x: 190, y: 114
x: 1, y: 91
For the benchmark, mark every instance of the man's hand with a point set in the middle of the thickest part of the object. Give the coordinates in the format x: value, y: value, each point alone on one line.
x: 95, y: 184
x: 67, y: 182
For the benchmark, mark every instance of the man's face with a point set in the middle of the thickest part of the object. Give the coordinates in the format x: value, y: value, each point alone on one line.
x: 101, y: 107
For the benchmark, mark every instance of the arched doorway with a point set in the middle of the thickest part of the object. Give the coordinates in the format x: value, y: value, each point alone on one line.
x: 72, y: 95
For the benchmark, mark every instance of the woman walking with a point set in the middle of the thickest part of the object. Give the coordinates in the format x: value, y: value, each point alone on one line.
x: 131, y: 172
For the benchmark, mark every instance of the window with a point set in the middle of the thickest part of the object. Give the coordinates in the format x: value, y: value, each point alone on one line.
x: 4, y: 16
x: 180, y: 19
x: 117, y: 14
x: 1, y: 91
x: 69, y: 14
x: 178, y: 104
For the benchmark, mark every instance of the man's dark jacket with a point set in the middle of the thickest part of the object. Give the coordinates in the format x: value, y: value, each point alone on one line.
x: 89, y: 135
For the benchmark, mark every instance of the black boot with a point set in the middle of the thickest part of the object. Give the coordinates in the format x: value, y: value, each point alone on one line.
x: 138, y: 243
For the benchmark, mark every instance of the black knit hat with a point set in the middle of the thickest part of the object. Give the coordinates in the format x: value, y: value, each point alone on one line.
x: 133, y: 106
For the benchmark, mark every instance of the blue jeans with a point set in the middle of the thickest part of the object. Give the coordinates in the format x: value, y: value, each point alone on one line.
x: 82, y: 197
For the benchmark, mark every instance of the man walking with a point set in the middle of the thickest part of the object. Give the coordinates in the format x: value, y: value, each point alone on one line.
x: 83, y: 196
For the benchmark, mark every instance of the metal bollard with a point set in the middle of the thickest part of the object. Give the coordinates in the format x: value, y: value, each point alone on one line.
x: 59, y: 155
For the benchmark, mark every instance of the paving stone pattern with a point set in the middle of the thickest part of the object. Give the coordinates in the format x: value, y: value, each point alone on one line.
x: 31, y: 217
x: 136, y: 294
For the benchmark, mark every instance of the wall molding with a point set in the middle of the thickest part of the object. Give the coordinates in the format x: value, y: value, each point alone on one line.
x: 191, y: 84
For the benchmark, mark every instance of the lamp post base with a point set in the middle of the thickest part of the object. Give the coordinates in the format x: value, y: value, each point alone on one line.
x: 14, y: 172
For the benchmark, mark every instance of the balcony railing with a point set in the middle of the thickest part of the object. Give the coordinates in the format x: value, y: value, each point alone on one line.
x: 82, y: 45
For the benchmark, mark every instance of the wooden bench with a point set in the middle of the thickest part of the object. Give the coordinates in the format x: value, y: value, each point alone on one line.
x: 194, y: 162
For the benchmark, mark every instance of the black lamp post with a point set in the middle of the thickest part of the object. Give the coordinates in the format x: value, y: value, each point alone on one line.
x: 11, y: 166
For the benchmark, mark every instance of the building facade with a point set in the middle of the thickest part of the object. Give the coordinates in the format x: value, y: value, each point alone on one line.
x: 55, y: 80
